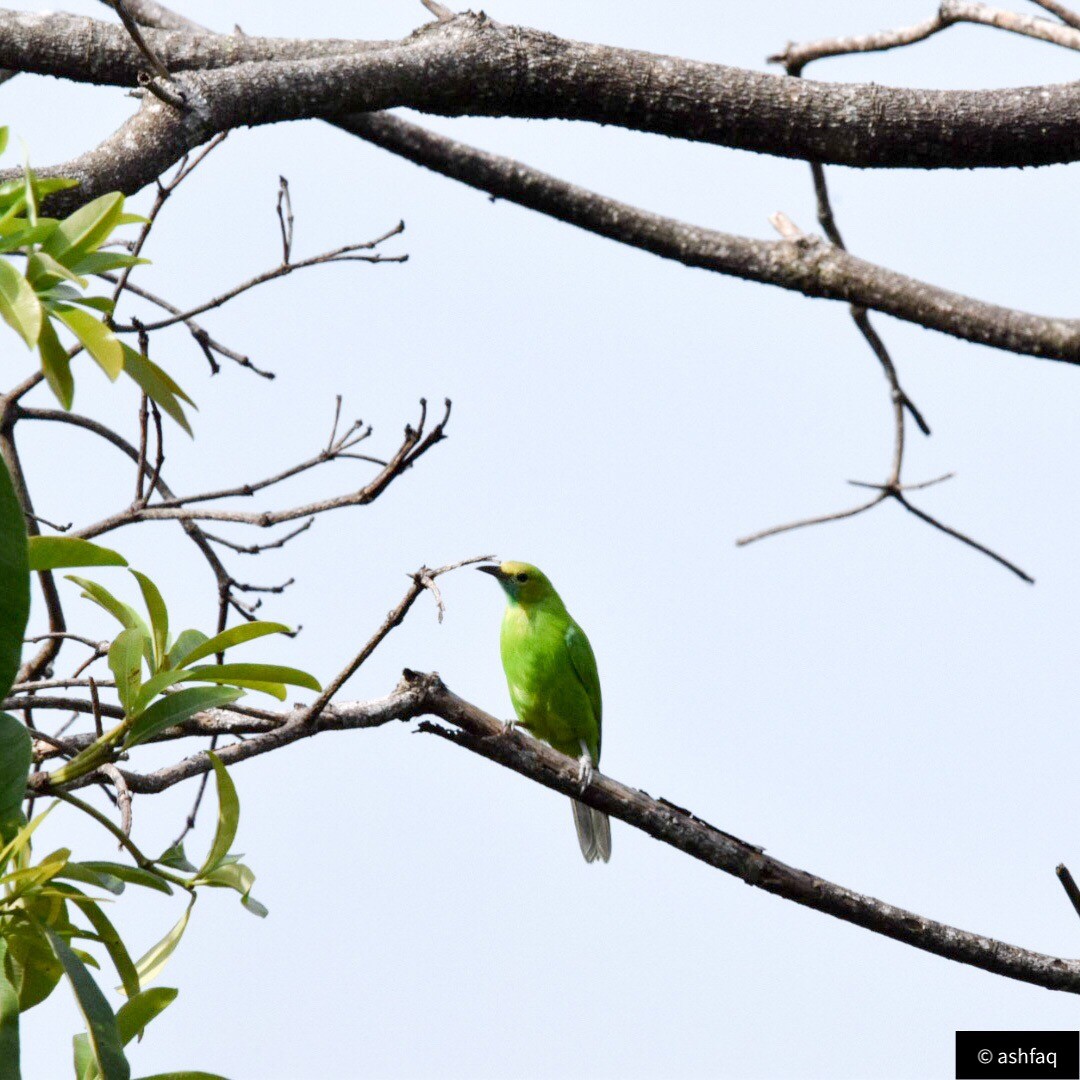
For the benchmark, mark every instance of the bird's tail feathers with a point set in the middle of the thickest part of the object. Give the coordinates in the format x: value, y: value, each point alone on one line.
x: 593, y: 831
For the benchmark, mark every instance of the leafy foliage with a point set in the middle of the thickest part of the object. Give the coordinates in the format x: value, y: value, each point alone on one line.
x: 14, y: 581
x: 155, y: 703
x: 37, y: 930
x: 51, y: 294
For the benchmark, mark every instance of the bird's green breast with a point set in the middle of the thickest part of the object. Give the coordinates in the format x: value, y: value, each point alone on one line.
x: 549, y: 692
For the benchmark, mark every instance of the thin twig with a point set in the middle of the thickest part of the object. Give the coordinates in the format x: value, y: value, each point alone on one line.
x: 1068, y: 883
x: 123, y: 795
x: 193, y: 813
x: 962, y: 537
x: 187, y: 164
x: 414, y: 445
x: 95, y: 704
x: 90, y: 642
x: 285, y: 219
x: 341, y: 254
x: 51, y: 524
x: 206, y: 343
x: 157, y: 65
x: 258, y: 549
x: 1065, y: 14
x: 424, y: 578
x: 796, y: 56
x: 802, y: 523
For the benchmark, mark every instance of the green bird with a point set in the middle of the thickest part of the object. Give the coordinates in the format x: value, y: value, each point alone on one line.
x: 554, y: 685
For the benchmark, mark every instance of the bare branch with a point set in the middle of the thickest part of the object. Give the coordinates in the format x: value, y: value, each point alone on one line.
x: 950, y: 12
x: 153, y: 60
x: 479, y: 733
x: 803, y: 523
x: 1068, y: 883
x: 285, y: 218
x: 424, y: 578
x: 258, y: 549
x: 123, y: 796
x: 414, y: 444
x: 1065, y: 14
x: 962, y: 537
x: 808, y: 265
x: 469, y: 65
x: 341, y: 254
x: 205, y: 342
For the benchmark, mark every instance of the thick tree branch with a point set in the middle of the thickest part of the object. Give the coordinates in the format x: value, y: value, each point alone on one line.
x: 418, y: 695
x: 469, y: 65
x: 808, y: 265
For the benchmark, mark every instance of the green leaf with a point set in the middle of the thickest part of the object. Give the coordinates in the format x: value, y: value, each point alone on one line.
x: 9, y: 1012
x: 100, y: 342
x: 31, y: 192
x: 228, y: 816
x: 91, y: 875
x: 100, y: 1020
x: 49, y: 185
x: 157, y: 384
x: 17, y: 234
x: 87, y: 958
x: 236, y: 876
x: 84, y: 1056
x: 60, y: 552
x: 159, y: 616
x: 242, y: 674
x: 22, y: 881
x: 31, y: 964
x: 101, y: 262
x: 154, y: 686
x: 14, y: 581
x: 186, y: 1074
x: 185, y: 644
x: 16, y: 756
x: 108, y: 937
x: 134, y: 875
x: 176, y: 708
x: 56, y: 364
x: 175, y: 859
x: 43, y: 271
x: 19, y: 304
x: 267, y: 678
x: 150, y: 964
x: 3, y: 139
x: 19, y: 841
x: 125, y: 662
x: 103, y: 304
x: 133, y: 1016
x: 86, y: 229
x: 128, y: 617
x: 235, y: 635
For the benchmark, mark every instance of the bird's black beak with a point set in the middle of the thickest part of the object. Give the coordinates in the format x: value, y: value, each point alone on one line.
x: 494, y: 571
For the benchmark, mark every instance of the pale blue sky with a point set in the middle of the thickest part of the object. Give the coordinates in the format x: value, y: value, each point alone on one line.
x: 867, y: 700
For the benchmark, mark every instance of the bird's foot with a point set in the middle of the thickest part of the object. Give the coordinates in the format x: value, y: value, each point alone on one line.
x: 508, y: 728
x: 585, y: 771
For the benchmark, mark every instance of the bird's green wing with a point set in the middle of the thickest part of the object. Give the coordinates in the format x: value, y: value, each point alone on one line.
x: 584, y: 663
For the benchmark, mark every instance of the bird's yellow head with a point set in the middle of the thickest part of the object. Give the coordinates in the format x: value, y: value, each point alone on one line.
x: 522, y: 582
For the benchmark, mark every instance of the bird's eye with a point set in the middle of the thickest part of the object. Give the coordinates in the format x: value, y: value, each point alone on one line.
x: 523, y: 577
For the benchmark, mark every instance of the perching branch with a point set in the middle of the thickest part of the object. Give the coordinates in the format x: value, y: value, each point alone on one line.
x: 474, y: 730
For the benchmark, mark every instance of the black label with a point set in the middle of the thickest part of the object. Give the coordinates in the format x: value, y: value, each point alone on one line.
x: 1026, y: 1055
